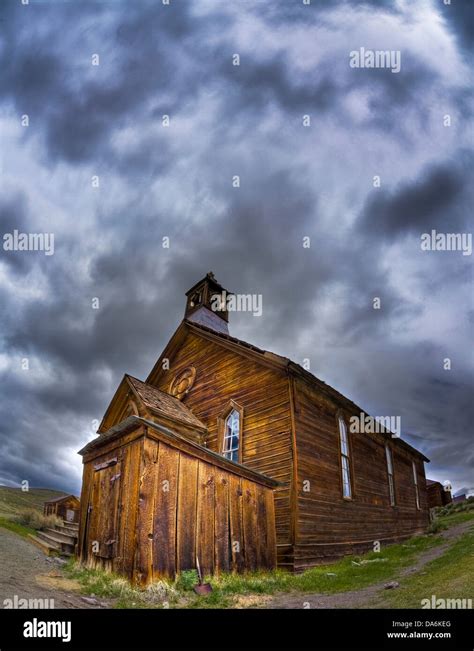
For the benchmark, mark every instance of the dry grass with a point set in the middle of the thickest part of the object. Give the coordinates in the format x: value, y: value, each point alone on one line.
x: 36, y: 520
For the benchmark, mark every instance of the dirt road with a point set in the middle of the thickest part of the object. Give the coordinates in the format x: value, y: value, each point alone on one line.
x: 26, y: 572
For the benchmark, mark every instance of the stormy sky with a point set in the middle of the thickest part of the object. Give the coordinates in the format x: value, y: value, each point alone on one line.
x: 86, y: 155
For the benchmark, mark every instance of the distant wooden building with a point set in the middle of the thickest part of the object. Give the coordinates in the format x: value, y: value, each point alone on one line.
x: 186, y: 462
x: 66, y: 508
x: 437, y: 494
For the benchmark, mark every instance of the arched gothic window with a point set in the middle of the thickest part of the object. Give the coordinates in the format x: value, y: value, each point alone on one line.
x: 231, y: 440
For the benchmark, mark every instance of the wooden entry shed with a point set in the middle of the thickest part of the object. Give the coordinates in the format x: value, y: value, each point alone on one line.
x: 154, y: 501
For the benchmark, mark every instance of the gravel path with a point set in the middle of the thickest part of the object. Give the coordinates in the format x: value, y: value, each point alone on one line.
x: 370, y: 597
x: 25, y: 571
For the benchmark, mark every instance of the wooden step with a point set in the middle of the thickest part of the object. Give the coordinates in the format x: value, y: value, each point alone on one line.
x: 68, y: 530
x: 48, y: 549
x: 42, y: 535
x: 68, y: 538
x: 71, y: 525
x: 56, y: 542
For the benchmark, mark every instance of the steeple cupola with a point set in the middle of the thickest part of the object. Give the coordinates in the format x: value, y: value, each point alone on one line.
x: 207, y: 304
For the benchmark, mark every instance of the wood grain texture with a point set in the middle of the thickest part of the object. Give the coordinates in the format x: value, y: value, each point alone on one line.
x: 236, y: 524
x: 205, y: 518
x: 147, y: 491
x: 164, y: 508
x: 164, y: 529
x: 249, y: 519
x: 222, y: 553
x: 187, y: 512
x: 328, y: 525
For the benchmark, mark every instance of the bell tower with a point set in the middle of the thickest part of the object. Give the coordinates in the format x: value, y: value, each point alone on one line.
x: 206, y: 304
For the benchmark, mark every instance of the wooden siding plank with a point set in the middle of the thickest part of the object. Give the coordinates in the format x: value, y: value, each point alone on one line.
x: 146, y: 509
x: 221, y: 523
x: 121, y: 519
x: 187, y: 512
x: 205, y: 517
x: 236, y: 525
x: 263, y: 540
x: 164, y: 529
x: 83, y: 516
x: 129, y: 508
x: 249, y: 518
x: 270, y: 528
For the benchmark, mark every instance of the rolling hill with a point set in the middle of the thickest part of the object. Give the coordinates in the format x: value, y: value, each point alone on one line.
x: 13, y: 500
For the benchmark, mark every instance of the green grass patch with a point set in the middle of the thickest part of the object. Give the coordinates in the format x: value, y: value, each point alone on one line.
x: 451, y: 576
x: 455, y: 518
x: 459, y: 507
x: 16, y: 527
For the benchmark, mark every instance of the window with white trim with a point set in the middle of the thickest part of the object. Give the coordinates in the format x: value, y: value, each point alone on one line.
x: 391, y: 484
x: 232, y: 436
x: 415, y: 481
x: 345, y: 461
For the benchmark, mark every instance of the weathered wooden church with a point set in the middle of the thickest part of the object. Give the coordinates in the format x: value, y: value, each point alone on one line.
x: 237, y: 458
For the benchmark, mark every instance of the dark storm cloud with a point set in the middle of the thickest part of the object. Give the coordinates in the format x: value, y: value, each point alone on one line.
x: 176, y: 182
x: 460, y: 18
x: 14, y: 216
x: 253, y: 84
x: 81, y: 115
x: 439, y: 198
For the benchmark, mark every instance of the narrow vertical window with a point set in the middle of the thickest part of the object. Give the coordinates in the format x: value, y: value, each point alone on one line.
x: 232, y: 436
x: 415, y: 481
x: 345, y: 461
x: 391, y: 484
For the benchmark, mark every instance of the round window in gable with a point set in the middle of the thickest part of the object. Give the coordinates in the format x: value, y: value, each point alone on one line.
x: 183, y: 382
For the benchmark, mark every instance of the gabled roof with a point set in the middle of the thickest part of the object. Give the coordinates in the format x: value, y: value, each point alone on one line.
x: 264, y: 357
x: 164, y: 403
x: 61, y: 498
x: 156, y: 401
